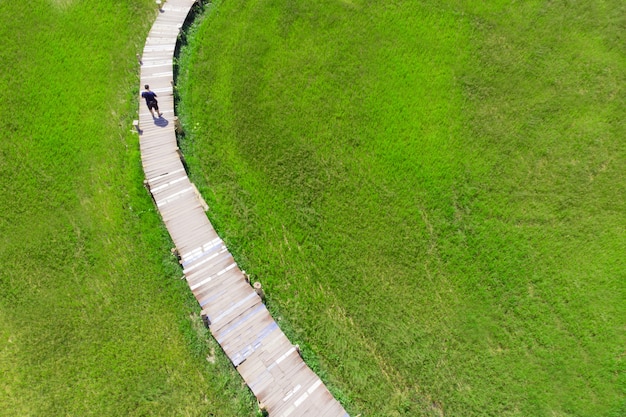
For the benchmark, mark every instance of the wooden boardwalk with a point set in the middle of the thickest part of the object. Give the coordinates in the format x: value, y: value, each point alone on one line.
x: 235, y: 314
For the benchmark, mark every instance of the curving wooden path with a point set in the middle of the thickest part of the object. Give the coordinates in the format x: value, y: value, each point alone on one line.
x: 235, y: 314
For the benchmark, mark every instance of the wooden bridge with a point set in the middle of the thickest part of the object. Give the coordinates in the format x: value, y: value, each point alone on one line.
x: 231, y: 308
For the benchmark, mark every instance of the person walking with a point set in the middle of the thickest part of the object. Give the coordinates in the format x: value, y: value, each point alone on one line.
x: 151, y: 101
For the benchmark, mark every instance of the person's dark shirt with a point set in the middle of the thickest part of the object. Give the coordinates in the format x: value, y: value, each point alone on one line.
x: 149, y: 96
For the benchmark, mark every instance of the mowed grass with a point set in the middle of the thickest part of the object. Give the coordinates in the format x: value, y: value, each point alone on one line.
x: 94, y: 319
x: 432, y: 193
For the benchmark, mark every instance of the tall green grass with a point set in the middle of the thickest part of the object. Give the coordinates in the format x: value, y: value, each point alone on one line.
x: 94, y: 319
x: 430, y: 192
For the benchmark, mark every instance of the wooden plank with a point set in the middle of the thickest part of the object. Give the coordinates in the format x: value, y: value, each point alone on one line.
x: 157, y: 184
x: 219, y: 300
x: 241, y: 344
x: 222, y: 266
x: 177, y: 215
x: 212, y: 294
x: 200, y: 249
x: 188, y: 231
x: 315, y: 401
x: 181, y: 218
x: 171, y: 188
x: 153, y: 159
x: 220, y: 290
x: 190, y: 259
x: 212, y: 270
x: 203, y: 260
x: 151, y: 152
x: 230, y: 308
x: 249, y: 331
x: 274, y: 350
x: 274, y: 394
x: 222, y: 335
x: 255, y: 370
x: 298, y: 387
x: 186, y: 244
x: 299, y: 398
x: 188, y: 238
x: 151, y: 170
x: 275, y: 345
x: 245, y: 350
x: 213, y: 267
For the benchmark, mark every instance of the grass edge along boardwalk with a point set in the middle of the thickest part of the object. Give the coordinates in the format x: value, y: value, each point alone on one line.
x: 234, y: 312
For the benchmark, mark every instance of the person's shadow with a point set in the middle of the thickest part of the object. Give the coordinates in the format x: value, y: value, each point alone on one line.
x: 161, y: 121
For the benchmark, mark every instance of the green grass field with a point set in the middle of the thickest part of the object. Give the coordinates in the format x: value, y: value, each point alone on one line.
x: 432, y: 193
x: 94, y: 319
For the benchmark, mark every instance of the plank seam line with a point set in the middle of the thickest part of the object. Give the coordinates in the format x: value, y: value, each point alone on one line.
x: 166, y: 174
x: 201, y: 249
x: 161, y: 187
x: 233, y: 307
x: 223, y: 334
x: 173, y: 197
x: 282, y: 357
x: 205, y: 260
x: 207, y: 280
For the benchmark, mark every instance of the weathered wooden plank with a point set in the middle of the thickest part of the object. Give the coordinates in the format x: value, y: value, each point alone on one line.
x: 225, y: 293
x: 152, y: 153
x: 185, y: 213
x: 189, y: 259
x: 300, y: 396
x: 255, y: 371
x: 167, y: 189
x: 274, y: 394
x: 273, y: 353
x: 186, y: 244
x: 222, y: 335
x: 212, y: 275
x: 200, y: 249
x: 176, y: 214
x: 174, y: 191
x: 200, y: 259
x: 219, y: 293
x: 314, y: 401
x: 211, y: 268
x: 217, y: 290
x: 214, y: 265
x: 230, y: 309
x: 154, y: 142
x: 190, y: 234
x: 249, y: 346
x: 153, y: 170
x: 212, y: 287
x: 156, y: 184
x: 246, y: 329
x: 303, y: 392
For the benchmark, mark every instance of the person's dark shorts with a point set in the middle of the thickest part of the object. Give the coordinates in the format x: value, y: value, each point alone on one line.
x: 153, y: 105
